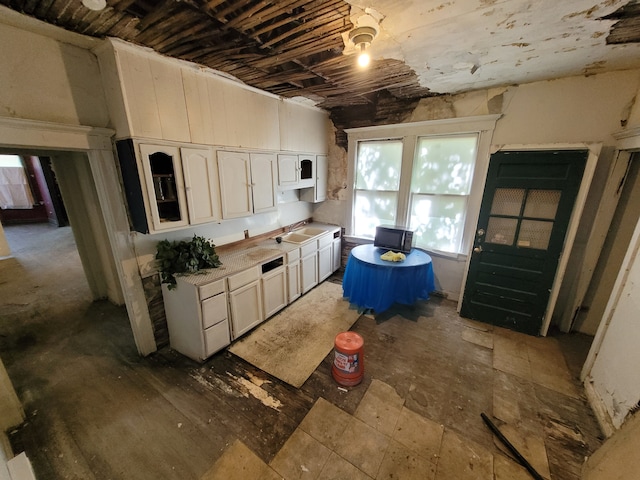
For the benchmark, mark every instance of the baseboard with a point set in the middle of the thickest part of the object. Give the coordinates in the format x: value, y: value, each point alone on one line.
x: 598, y: 408
x: 20, y: 468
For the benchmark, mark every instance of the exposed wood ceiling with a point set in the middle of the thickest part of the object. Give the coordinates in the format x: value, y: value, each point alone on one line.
x: 296, y: 48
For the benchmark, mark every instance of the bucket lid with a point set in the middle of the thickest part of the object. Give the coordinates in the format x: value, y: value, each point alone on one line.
x: 349, y: 341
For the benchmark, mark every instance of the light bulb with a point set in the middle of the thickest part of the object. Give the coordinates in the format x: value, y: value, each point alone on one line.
x: 363, y: 57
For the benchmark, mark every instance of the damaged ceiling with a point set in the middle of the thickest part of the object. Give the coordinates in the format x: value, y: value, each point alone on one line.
x: 301, y: 48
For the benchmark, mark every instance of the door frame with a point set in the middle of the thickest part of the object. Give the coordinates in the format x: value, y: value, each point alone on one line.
x: 96, y: 144
x: 576, y: 214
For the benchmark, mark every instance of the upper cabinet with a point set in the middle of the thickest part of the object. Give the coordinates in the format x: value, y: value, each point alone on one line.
x: 165, y: 186
x: 201, y: 184
x: 144, y: 93
x: 302, y: 128
x: 247, y: 183
x: 295, y: 171
x: 318, y: 190
x: 168, y: 187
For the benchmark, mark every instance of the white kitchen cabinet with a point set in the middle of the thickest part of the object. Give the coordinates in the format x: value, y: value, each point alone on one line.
x: 294, y: 284
x: 201, y: 185
x: 309, y: 265
x: 325, y: 257
x: 274, y: 291
x: 247, y: 183
x: 197, y: 318
x: 263, y: 182
x: 318, y: 192
x: 235, y: 184
x: 167, y: 203
x: 245, y: 301
x: 295, y: 171
x: 288, y: 171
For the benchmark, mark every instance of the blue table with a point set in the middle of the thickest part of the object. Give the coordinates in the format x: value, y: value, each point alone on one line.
x: 376, y: 284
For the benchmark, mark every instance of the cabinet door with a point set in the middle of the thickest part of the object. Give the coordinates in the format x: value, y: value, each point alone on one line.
x: 321, y: 173
x: 246, y: 308
x: 263, y: 182
x: 274, y: 291
x: 293, y: 280
x: 307, y: 167
x: 337, y: 253
x: 235, y: 184
x: 325, y: 262
x: 201, y: 185
x: 309, y: 272
x: 165, y: 186
x: 288, y: 171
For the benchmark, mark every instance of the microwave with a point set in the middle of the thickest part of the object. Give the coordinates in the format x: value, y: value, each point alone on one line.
x: 396, y: 239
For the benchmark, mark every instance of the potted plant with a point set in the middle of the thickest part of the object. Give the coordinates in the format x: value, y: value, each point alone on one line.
x: 182, y: 257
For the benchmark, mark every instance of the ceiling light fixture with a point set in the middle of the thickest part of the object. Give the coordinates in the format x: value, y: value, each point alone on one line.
x: 362, y: 38
x: 96, y: 5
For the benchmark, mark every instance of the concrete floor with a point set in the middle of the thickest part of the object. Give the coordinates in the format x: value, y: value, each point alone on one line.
x: 96, y: 410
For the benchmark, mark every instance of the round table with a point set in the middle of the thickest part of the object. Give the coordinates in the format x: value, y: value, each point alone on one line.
x: 372, y: 283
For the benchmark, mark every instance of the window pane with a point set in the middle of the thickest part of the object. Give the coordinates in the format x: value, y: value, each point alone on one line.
x: 534, y: 234
x: 542, y: 204
x: 10, y: 161
x: 378, y: 165
x: 507, y: 201
x: 372, y: 209
x: 438, y: 221
x: 444, y: 165
x: 501, y: 230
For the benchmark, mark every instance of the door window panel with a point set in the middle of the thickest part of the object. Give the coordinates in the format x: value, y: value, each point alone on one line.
x: 501, y: 230
x: 507, y: 201
x: 542, y: 204
x: 534, y: 234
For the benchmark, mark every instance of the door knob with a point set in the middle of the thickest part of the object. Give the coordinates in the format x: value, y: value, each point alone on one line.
x: 477, y: 249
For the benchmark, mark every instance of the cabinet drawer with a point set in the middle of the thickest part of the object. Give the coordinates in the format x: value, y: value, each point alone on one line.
x: 242, y: 278
x: 293, y: 255
x: 324, y: 240
x: 214, y: 310
x: 211, y: 289
x: 308, y: 248
x: 216, y: 338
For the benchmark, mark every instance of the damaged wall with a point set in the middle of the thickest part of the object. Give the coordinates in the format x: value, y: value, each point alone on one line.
x: 570, y: 110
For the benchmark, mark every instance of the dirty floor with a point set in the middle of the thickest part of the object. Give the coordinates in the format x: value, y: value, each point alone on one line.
x: 96, y: 410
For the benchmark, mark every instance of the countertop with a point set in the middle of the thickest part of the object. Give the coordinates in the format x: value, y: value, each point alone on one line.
x: 236, y: 261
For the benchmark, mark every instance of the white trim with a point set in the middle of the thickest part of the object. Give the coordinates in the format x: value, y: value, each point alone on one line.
x: 628, y: 139
x: 96, y: 142
x: 598, y: 407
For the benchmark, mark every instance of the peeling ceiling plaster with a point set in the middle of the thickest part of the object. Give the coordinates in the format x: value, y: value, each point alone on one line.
x: 456, y: 46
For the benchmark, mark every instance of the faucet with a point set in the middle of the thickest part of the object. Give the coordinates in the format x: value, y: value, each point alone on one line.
x: 296, y: 225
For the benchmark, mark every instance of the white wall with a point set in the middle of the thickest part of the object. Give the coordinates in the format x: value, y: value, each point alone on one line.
x: 570, y: 110
x: 46, y: 79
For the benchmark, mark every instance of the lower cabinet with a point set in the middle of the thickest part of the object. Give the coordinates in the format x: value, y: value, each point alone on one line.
x: 245, y: 301
x: 274, y: 291
x: 203, y: 319
x: 197, y: 318
x: 325, y: 257
x: 294, y: 284
x: 309, y: 265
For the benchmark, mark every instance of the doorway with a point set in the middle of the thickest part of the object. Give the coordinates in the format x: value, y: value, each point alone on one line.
x: 524, y: 215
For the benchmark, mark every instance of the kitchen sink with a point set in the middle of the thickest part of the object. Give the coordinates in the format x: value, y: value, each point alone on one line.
x: 310, y: 231
x: 295, y: 237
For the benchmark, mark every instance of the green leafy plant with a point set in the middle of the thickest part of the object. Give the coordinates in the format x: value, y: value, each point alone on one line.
x: 181, y: 257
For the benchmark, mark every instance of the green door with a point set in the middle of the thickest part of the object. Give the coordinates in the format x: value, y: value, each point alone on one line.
x: 525, y: 211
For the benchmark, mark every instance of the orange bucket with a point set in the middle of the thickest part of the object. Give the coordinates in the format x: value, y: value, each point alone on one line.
x: 348, y: 366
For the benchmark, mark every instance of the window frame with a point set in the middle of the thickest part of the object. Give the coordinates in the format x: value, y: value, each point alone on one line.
x: 409, y: 133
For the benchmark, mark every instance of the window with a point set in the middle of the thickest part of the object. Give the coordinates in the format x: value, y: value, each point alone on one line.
x: 440, y: 185
x: 377, y: 182
x: 421, y: 176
